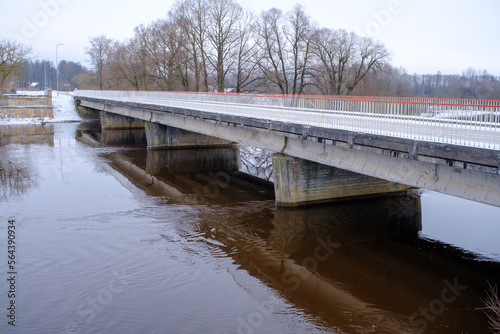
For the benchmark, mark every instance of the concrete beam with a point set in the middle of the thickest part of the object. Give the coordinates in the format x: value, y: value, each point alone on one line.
x: 299, y: 182
x: 167, y: 137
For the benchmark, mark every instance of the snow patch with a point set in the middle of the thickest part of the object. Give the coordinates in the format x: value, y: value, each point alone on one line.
x: 64, y: 108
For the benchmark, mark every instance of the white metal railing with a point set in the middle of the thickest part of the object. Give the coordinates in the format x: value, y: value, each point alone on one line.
x: 454, y: 121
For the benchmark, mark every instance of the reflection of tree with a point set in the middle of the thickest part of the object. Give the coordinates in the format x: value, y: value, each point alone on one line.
x: 15, y: 179
x: 256, y: 162
x: 492, y: 304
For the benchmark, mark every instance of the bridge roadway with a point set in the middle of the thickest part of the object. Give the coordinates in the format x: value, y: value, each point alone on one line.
x: 456, y: 157
x: 389, y: 125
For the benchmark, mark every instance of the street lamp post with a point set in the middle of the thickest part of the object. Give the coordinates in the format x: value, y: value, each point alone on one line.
x: 57, y: 70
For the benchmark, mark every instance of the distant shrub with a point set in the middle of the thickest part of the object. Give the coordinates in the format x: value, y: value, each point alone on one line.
x: 13, y: 91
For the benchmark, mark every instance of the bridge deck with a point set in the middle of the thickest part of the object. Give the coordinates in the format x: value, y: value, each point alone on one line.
x: 473, y: 125
x: 450, y: 131
x: 425, y: 146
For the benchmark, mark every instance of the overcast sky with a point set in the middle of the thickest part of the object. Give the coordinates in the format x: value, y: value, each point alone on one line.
x: 424, y: 36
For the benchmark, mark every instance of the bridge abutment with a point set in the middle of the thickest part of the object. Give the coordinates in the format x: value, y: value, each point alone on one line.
x: 161, y: 136
x: 299, y: 182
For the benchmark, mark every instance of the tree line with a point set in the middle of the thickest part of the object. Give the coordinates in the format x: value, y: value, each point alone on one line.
x: 43, y: 72
x: 471, y: 84
x: 19, y: 70
x: 216, y: 45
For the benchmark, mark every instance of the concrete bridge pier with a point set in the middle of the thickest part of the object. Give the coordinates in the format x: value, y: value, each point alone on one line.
x: 161, y: 136
x: 112, y: 121
x: 299, y: 182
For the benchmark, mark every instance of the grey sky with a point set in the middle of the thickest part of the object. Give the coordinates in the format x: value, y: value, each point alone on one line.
x: 424, y: 36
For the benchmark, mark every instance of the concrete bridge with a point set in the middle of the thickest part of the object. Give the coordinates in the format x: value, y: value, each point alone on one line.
x: 328, y: 148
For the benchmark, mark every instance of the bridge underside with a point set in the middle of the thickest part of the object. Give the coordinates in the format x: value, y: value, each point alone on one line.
x: 459, y: 171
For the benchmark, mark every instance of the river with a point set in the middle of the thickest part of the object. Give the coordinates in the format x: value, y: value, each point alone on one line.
x: 113, y: 238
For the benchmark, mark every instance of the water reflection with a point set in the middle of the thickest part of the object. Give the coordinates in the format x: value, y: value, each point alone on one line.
x: 27, y: 134
x: 18, y: 174
x: 176, y: 176
x: 348, y: 223
x: 16, y: 177
x: 123, y: 137
x: 192, y: 161
x: 90, y: 133
x: 359, y: 265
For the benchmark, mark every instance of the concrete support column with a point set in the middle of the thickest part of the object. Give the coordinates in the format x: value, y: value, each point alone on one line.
x: 110, y: 121
x: 299, y: 182
x: 166, y: 137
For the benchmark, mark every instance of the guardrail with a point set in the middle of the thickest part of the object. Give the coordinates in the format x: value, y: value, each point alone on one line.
x: 454, y: 121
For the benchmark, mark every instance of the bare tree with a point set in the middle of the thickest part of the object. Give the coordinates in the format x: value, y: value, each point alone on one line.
x: 344, y: 60
x: 371, y: 56
x: 132, y: 63
x: 162, y: 48
x: 99, y: 53
x: 247, y: 53
x: 191, y: 16
x: 325, y: 48
x: 223, y: 36
x: 272, y: 44
x: 285, y: 42
x: 299, y: 33
x: 12, y: 55
x: 335, y: 52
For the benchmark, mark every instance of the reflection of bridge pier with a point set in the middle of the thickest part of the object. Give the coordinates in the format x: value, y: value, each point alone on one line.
x: 192, y: 161
x: 353, y: 260
x: 27, y: 134
x: 123, y: 137
x: 349, y: 222
x: 190, y: 176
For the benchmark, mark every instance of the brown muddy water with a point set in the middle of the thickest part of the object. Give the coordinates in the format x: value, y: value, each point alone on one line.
x: 113, y: 238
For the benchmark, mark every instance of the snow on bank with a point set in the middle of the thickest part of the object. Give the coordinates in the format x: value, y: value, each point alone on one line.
x: 64, y: 111
x: 64, y: 108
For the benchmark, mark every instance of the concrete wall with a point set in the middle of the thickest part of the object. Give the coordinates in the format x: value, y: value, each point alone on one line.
x: 26, y: 112
x: 25, y: 100
x: 26, y: 106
